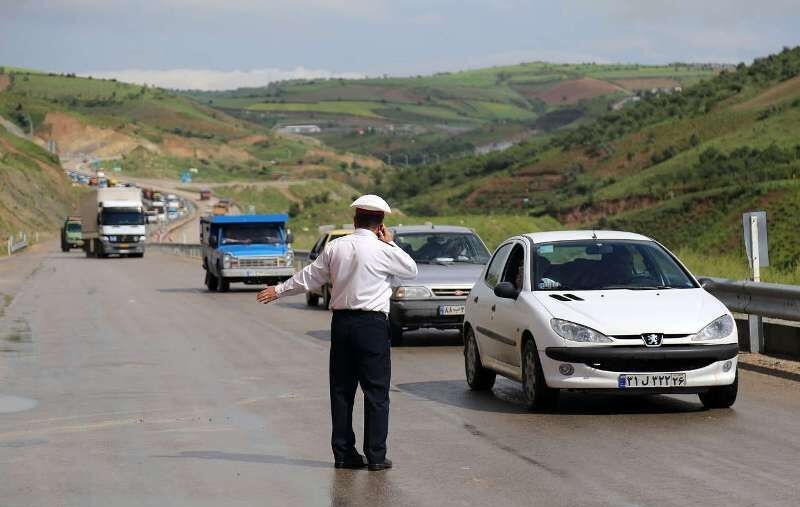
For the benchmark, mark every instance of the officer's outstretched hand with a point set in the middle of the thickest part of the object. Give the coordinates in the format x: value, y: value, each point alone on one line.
x: 267, y: 295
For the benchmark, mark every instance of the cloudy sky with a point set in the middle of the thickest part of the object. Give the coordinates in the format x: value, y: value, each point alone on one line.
x: 214, y: 44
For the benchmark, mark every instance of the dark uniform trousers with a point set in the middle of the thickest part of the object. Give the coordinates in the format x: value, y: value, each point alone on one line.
x: 360, y: 354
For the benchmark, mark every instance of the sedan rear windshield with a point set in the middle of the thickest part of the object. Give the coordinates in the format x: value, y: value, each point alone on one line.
x: 607, y: 265
x: 73, y: 227
x: 433, y: 247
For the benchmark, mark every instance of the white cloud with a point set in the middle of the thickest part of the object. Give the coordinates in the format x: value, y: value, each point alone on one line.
x: 204, y: 79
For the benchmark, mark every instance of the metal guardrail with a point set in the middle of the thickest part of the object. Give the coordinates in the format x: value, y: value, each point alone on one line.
x: 765, y: 299
x: 773, y: 300
x: 13, y: 247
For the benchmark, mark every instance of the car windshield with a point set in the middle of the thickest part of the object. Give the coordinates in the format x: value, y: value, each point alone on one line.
x: 73, y: 227
x: 123, y: 217
x: 252, y: 233
x: 607, y: 265
x: 443, y: 247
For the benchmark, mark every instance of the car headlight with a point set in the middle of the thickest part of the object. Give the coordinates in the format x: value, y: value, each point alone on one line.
x: 289, y: 258
x: 719, y: 328
x: 142, y: 238
x: 577, y: 333
x: 412, y: 293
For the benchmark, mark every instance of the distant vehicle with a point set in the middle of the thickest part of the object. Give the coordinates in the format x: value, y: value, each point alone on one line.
x: 100, y: 174
x: 253, y: 249
x: 312, y: 298
x: 112, y: 222
x: 71, y: 233
x: 220, y: 209
x: 450, y: 260
x: 601, y: 311
x: 93, y: 181
x: 102, y: 182
x: 205, y: 194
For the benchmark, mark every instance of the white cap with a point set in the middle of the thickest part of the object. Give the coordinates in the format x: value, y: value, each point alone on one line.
x: 372, y: 203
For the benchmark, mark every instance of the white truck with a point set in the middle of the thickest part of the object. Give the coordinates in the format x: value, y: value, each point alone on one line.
x: 112, y: 222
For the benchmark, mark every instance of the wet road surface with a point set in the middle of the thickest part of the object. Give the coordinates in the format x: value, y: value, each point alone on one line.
x: 123, y: 382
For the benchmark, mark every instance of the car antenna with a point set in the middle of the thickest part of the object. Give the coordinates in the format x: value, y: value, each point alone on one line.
x: 594, y: 235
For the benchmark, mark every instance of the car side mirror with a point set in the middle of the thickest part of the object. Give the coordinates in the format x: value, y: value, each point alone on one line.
x: 506, y: 290
x: 289, y: 237
x: 313, y: 256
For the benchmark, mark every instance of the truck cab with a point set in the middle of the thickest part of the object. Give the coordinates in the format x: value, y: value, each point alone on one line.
x: 251, y: 249
x: 71, y: 233
x: 113, y: 222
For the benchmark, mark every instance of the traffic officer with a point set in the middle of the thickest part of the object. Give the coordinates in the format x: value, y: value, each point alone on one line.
x: 360, y: 268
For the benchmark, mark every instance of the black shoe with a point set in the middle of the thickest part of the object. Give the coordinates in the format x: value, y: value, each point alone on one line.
x: 377, y: 467
x: 352, y: 461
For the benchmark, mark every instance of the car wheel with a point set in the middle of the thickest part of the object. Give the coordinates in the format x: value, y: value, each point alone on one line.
x: 537, y: 394
x: 312, y: 299
x: 212, y: 282
x: 478, y: 377
x: 721, y: 396
x: 396, y: 333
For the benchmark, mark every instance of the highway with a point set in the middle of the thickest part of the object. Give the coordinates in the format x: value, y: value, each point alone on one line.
x: 124, y: 383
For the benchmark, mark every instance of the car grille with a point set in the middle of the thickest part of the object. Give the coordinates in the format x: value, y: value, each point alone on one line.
x: 126, y: 238
x: 451, y: 292
x: 258, y: 262
x: 639, y: 337
x: 649, y: 365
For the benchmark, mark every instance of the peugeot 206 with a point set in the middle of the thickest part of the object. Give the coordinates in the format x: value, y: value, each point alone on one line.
x: 598, y: 311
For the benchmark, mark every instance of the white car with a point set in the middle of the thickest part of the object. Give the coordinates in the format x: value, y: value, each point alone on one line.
x: 599, y: 311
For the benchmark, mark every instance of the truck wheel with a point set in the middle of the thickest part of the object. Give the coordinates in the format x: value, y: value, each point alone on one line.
x: 224, y: 285
x: 64, y: 248
x: 212, y: 282
x: 478, y: 377
x: 721, y: 396
x: 326, y: 297
x: 396, y: 333
x: 312, y: 299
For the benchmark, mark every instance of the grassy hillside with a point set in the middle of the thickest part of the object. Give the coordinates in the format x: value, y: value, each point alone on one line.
x: 681, y: 168
x: 449, y: 113
x: 154, y: 133
x: 34, y: 192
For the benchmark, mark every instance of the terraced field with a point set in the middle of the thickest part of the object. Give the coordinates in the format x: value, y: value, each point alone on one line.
x: 449, y: 113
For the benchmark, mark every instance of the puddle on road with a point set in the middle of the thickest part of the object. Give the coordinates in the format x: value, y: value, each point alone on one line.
x: 12, y: 404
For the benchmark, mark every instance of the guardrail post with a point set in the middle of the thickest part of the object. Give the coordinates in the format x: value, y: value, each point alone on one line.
x: 755, y: 322
x: 10, y: 242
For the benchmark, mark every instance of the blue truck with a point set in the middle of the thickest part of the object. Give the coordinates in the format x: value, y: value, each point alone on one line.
x: 253, y: 249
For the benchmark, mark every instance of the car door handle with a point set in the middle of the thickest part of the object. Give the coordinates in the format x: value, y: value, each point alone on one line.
x: 475, y: 299
x: 494, y: 307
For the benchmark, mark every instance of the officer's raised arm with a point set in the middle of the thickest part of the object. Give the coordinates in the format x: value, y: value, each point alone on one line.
x: 310, y: 278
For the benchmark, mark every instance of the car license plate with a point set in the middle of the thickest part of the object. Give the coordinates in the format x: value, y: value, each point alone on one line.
x: 254, y: 274
x: 451, y: 310
x: 123, y: 245
x: 652, y: 380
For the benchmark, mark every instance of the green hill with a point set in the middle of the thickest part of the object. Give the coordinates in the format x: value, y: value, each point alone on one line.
x: 34, y: 192
x: 154, y: 133
x: 428, y: 117
x: 680, y: 167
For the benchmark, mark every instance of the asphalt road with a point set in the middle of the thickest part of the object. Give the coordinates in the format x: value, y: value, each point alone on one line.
x: 124, y: 383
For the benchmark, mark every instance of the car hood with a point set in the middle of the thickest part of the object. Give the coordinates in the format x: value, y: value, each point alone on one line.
x: 254, y: 250
x: 447, y: 274
x: 630, y: 312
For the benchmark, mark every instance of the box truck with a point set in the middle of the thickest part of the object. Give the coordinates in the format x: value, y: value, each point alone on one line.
x: 112, y: 222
